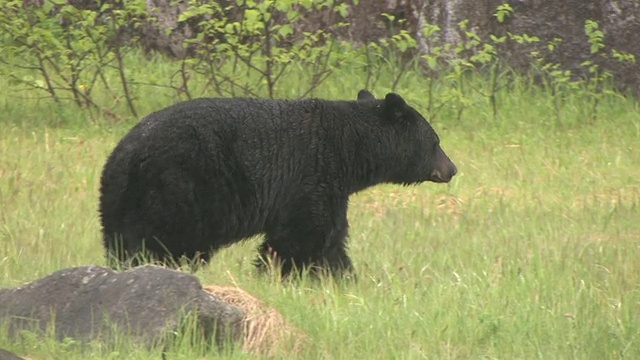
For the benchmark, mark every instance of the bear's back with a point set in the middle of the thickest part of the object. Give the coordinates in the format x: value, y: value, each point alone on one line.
x: 226, y: 114
x: 259, y: 131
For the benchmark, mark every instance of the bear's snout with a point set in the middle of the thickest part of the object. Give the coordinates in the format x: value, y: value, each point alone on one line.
x: 444, y: 169
x: 439, y: 177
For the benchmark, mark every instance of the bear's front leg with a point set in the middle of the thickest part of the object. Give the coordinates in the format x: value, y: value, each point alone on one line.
x: 312, y: 237
x: 336, y: 260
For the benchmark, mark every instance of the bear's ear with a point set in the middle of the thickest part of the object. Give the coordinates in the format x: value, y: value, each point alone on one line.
x: 365, y: 95
x: 394, y: 105
x: 394, y: 101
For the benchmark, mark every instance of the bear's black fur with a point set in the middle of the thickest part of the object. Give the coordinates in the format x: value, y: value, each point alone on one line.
x: 206, y: 173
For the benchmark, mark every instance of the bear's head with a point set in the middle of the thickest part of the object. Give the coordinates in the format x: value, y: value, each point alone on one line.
x: 415, y: 146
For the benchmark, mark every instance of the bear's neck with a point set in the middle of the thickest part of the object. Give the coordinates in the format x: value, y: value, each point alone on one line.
x: 367, y: 161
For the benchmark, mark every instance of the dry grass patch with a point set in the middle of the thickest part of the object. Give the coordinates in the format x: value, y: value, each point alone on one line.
x: 266, y: 332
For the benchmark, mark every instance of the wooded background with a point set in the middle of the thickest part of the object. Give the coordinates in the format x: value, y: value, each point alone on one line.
x: 547, y: 19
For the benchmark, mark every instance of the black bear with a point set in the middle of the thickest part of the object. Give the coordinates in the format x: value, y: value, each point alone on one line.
x: 206, y: 173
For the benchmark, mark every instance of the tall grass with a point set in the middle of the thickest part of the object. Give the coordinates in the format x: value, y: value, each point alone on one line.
x: 530, y: 252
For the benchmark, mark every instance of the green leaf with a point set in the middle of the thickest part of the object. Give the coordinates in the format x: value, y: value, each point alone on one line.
x: 343, y: 10
x: 286, y: 6
x: 498, y: 40
x: 389, y: 17
x: 285, y: 30
x: 47, y: 6
x: 432, y: 62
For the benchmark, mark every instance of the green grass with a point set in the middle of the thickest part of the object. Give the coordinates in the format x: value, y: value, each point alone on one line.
x: 532, y: 251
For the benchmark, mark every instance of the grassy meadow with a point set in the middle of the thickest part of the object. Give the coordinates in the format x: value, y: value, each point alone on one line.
x: 532, y: 251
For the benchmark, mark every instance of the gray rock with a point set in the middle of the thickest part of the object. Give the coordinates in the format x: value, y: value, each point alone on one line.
x: 146, y: 303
